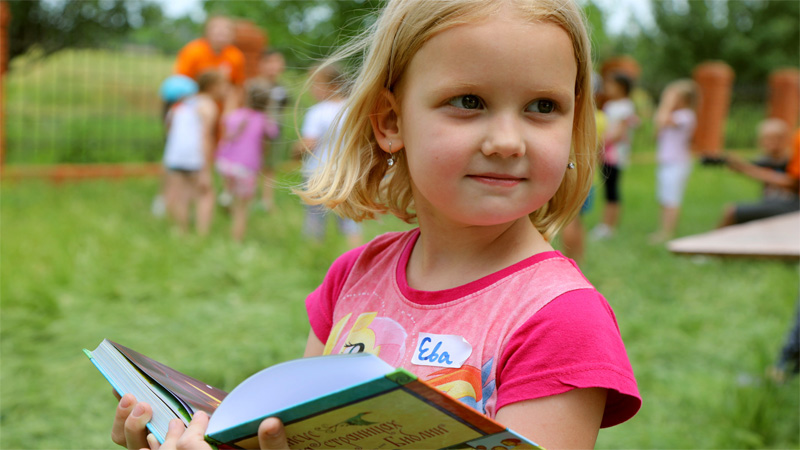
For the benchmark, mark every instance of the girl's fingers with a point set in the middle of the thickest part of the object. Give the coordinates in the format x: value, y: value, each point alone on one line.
x: 124, y: 408
x: 152, y: 442
x: 191, y: 438
x: 174, y: 433
x: 135, y: 426
x: 197, y: 427
x: 272, y: 435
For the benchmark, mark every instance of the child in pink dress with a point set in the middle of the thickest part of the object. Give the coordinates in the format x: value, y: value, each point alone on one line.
x: 247, y: 131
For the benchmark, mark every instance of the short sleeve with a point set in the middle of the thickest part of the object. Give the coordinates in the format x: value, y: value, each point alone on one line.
x: 321, y: 302
x: 571, y: 343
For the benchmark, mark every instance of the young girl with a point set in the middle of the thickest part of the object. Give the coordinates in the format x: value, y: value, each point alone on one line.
x: 248, y: 131
x: 675, y: 121
x: 319, y: 127
x: 189, y: 150
x: 476, y: 119
x: 621, y: 119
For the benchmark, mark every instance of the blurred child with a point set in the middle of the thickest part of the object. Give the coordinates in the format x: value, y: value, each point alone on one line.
x: 317, y: 133
x: 248, y: 131
x: 172, y: 90
x: 621, y: 119
x: 191, y: 126
x: 675, y: 124
x: 270, y: 69
x: 773, y: 142
x: 489, y: 145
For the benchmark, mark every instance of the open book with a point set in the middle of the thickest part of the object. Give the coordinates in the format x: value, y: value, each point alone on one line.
x: 338, y: 401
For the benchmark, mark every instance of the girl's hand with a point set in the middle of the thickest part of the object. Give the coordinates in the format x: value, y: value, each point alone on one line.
x: 180, y: 437
x: 271, y: 435
x: 129, y: 423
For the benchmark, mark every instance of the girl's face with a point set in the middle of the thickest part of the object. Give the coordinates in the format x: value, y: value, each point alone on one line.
x: 486, y: 114
x: 272, y: 66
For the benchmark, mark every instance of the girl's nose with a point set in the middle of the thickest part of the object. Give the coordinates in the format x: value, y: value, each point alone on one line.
x: 503, y: 137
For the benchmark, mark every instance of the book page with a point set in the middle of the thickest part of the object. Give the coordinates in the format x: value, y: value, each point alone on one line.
x: 198, y: 396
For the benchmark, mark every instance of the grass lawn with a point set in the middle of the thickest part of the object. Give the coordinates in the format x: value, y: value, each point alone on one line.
x: 86, y: 261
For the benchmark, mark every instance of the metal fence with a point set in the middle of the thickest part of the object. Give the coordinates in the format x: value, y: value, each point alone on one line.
x: 85, y: 106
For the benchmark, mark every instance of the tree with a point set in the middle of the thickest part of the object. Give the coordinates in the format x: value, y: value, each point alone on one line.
x: 753, y: 37
x: 52, y: 26
x: 305, y: 30
x: 602, y: 43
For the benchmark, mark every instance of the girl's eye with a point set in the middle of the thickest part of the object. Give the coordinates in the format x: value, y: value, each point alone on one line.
x: 542, y: 106
x: 466, y: 102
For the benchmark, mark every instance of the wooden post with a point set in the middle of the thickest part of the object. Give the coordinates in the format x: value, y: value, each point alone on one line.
x: 784, y: 96
x: 251, y: 41
x: 714, y: 80
x: 5, y: 19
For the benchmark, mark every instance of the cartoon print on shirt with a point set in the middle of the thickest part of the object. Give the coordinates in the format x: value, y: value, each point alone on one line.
x: 467, y: 384
x: 369, y: 333
x: 386, y: 339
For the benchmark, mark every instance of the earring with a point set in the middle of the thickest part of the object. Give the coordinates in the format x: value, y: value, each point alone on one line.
x: 571, y: 165
x: 390, y: 160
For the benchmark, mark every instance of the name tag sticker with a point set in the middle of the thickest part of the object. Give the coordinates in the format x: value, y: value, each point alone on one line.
x: 441, y: 350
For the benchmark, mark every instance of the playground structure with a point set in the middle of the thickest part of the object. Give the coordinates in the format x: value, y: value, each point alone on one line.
x: 715, y: 80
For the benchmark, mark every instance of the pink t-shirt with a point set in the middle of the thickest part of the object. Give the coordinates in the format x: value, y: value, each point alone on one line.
x: 534, y: 329
x: 245, y: 131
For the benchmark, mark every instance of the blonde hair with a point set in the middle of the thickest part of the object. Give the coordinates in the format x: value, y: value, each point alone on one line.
x: 687, y: 89
x: 356, y: 183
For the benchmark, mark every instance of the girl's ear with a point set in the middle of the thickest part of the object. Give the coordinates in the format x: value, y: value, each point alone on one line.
x: 385, y: 120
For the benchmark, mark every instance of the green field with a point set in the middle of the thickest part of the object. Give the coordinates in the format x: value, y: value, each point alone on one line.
x: 86, y: 261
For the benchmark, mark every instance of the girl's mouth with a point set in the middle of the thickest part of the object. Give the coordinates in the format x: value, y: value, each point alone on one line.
x: 496, y: 179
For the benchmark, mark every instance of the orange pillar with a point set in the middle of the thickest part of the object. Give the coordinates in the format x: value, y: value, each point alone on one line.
x: 714, y: 80
x: 784, y: 96
x: 251, y: 41
x: 5, y: 19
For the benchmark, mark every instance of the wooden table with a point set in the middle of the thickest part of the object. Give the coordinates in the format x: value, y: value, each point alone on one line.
x: 773, y: 237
